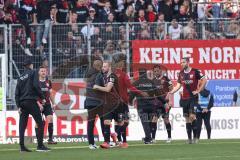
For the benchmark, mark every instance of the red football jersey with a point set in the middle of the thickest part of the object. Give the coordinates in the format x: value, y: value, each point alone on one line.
x: 190, y: 78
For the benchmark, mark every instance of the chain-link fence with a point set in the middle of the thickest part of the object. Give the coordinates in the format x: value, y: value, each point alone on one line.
x: 71, y: 47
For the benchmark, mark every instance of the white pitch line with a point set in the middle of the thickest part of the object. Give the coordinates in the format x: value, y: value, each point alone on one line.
x: 132, y: 145
x: 204, y: 157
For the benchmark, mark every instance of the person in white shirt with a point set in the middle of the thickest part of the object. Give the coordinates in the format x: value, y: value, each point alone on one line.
x: 201, y: 9
x: 88, y: 30
x: 175, y: 30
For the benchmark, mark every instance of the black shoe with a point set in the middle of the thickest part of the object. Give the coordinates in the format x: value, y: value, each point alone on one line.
x: 50, y: 141
x: 148, y: 142
x: 43, y: 149
x: 24, y: 149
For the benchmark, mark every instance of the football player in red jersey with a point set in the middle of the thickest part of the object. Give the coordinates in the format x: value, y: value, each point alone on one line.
x: 48, y: 108
x: 163, y: 85
x: 193, y: 82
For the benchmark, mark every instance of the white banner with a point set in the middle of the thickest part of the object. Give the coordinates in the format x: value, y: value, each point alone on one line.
x: 224, y: 121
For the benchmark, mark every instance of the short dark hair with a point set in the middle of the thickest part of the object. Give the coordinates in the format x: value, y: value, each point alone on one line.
x: 186, y: 58
x: 156, y: 66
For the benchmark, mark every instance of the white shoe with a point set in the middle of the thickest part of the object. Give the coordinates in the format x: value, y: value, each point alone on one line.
x: 154, y: 141
x: 93, y: 147
x: 27, y: 52
x: 195, y: 141
x: 169, y: 140
x: 28, y: 40
x: 112, y: 144
x: 44, y: 41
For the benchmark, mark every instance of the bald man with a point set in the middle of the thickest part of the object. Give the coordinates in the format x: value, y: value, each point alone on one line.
x: 94, y: 100
x: 111, y: 100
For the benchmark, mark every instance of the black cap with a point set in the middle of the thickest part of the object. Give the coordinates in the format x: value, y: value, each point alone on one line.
x: 27, y: 62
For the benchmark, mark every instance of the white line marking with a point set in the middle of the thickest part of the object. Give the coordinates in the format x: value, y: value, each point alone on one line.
x: 132, y: 145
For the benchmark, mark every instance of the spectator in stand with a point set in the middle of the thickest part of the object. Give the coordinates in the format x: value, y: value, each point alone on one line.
x: 156, y: 5
x: 189, y: 31
x: 175, y: 30
x: 145, y: 35
x: 141, y: 16
x: 111, y: 18
x: 119, y: 11
x: 122, y: 33
x: 140, y: 4
x: 82, y: 11
x: 201, y: 10
x: 166, y: 9
x: 109, y: 51
x: 188, y: 5
x: 159, y: 32
x: 129, y: 14
x: 43, y: 18
x: 96, y: 39
x: 53, y: 14
x: 63, y: 11
x: 128, y: 3
x: 8, y: 14
x: 104, y: 12
x: 233, y: 29
x: 92, y: 15
x: 27, y: 15
x: 123, y: 46
x: 151, y: 14
x: 88, y: 29
x: 176, y: 6
x: 160, y: 19
x: 183, y: 16
x: 144, y: 31
x: 109, y: 33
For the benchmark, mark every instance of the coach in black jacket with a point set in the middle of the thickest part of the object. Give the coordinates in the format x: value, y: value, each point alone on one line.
x: 26, y: 95
x: 94, y: 99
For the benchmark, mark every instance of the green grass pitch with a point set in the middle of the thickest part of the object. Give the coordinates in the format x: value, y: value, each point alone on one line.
x: 177, y: 150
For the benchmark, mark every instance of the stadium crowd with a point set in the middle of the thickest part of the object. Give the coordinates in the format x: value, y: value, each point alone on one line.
x: 103, y: 23
x: 122, y: 10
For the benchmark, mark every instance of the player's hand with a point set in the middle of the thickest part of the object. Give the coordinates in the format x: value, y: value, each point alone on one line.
x: 20, y: 110
x: 54, y: 107
x: 195, y: 92
x: 192, y: 117
x: 205, y: 110
x: 145, y: 94
x: 40, y: 106
x: 167, y: 107
x: 170, y: 105
x: 43, y: 101
x: 95, y: 86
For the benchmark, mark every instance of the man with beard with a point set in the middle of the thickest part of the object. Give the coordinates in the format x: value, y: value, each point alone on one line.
x: 193, y: 82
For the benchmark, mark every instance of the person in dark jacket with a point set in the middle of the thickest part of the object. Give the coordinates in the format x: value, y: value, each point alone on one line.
x: 205, y: 101
x: 27, y: 10
x: 27, y: 93
x: 145, y: 105
x: 93, y: 102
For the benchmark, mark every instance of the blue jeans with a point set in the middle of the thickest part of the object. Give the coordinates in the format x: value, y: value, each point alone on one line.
x: 39, y: 35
